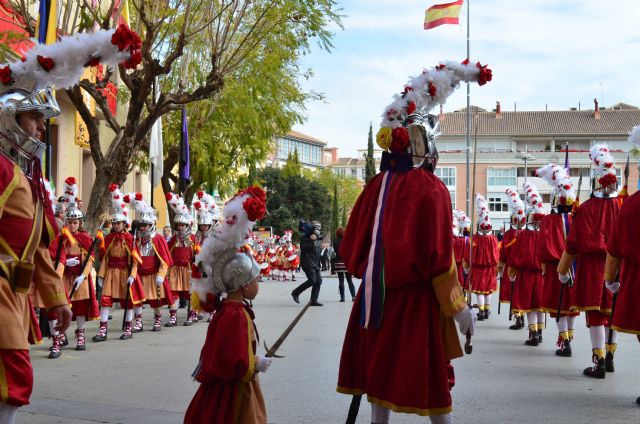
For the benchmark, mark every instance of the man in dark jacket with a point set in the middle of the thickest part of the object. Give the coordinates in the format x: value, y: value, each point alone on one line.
x: 310, y: 264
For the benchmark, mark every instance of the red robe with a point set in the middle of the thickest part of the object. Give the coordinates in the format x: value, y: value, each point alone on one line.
x: 623, y: 244
x: 402, y: 365
x: 485, y: 261
x: 591, y: 228
x: 87, y: 307
x: 136, y: 291
x: 527, y: 291
x: 229, y: 389
x: 459, y: 246
x: 549, y: 250
x: 505, y: 250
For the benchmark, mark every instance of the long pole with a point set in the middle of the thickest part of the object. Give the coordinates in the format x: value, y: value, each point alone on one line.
x: 468, y: 136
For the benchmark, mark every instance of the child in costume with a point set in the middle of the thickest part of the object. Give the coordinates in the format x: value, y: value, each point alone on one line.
x: 229, y: 389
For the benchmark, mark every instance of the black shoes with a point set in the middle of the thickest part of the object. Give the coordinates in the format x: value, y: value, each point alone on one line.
x: 565, y: 349
x: 480, y: 315
x: 342, y: 299
x: 315, y: 303
x: 295, y: 297
x: 518, y: 324
x: 533, y: 339
x: 608, y: 362
x: 597, y: 370
x: 539, y: 336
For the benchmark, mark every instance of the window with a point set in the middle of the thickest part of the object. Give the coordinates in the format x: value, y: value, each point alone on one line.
x: 452, y: 194
x: 447, y: 175
x: 363, y: 173
x: 502, y: 176
x: 497, y: 202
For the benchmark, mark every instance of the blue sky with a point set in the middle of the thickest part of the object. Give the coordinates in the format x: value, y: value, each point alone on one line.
x: 543, y: 53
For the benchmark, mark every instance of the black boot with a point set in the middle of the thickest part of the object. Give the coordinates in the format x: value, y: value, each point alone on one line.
x: 518, y: 324
x: 295, y: 295
x: 540, y: 336
x: 315, y: 292
x: 487, y: 312
x: 608, y: 362
x: 565, y: 349
x: 481, y: 315
x: 597, y: 370
x: 533, y: 338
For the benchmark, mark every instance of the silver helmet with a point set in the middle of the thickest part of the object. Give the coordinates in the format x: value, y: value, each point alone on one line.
x: 73, y: 213
x: 119, y: 217
x: 233, y: 270
x: 423, y: 131
x: 14, y: 102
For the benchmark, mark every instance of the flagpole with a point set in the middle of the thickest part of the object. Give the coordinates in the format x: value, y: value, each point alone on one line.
x: 468, y: 135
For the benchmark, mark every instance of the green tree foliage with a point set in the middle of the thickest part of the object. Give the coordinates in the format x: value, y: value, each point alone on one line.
x: 335, y: 211
x: 370, y: 167
x: 344, y: 216
x: 291, y: 198
x: 292, y: 166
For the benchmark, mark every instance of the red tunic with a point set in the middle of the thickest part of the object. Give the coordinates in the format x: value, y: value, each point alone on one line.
x: 485, y: 261
x: 591, y: 228
x: 549, y: 250
x: 402, y: 365
x: 505, y: 249
x: 527, y: 295
x: 84, y: 301
x: 150, y: 266
x: 229, y: 390
x: 459, y: 246
x: 623, y: 243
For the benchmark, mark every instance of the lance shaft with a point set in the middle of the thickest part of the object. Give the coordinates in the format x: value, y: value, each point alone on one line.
x: 271, y: 351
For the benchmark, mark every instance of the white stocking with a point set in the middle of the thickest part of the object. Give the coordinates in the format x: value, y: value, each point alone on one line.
x: 614, y: 336
x: 562, y: 325
x: 104, y: 314
x: 597, y: 336
x: 532, y: 318
x: 174, y: 307
x: 80, y: 322
x: 480, y: 298
x: 7, y: 413
x: 571, y: 322
x: 441, y: 419
x: 129, y: 315
x: 487, y: 299
x: 137, y: 310
x: 52, y: 327
x: 379, y: 415
x: 540, y: 317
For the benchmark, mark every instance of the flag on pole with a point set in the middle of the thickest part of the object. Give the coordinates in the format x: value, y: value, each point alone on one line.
x: 121, y: 10
x: 47, y: 21
x: 185, y: 160
x: 155, y: 150
x: 440, y: 14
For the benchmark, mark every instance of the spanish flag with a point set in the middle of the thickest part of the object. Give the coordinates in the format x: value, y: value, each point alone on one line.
x: 440, y: 14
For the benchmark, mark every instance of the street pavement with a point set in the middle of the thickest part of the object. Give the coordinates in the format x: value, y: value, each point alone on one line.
x: 147, y: 379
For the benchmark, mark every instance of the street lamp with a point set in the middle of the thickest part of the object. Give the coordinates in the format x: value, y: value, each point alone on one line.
x: 526, y: 157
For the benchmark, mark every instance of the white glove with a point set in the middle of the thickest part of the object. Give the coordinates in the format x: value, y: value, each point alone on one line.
x: 79, y: 281
x: 263, y: 363
x: 564, y: 278
x: 466, y: 319
x: 613, y: 287
x: 512, y: 279
x: 499, y: 276
x: 465, y: 271
x: 100, y: 281
x: 159, y: 281
x: 130, y: 280
x: 72, y: 262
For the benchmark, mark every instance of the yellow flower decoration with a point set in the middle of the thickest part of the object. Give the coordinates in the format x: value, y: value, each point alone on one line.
x: 383, y: 138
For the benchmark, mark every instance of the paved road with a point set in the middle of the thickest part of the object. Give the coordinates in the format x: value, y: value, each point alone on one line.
x: 147, y: 379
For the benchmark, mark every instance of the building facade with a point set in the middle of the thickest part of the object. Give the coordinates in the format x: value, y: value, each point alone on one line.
x: 310, y: 150
x: 503, y: 137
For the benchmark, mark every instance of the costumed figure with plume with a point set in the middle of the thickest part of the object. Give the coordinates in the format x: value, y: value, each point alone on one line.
x: 482, y: 281
x: 524, y: 267
x: 398, y: 241
x: 591, y: 228
x: 155, y: 261
x: 183, y: 248
x: 290, y: 258
x: 76, y: 246
x: 228, y: 368
x: 517, y: 222
x: 553, y: 233
x: 272, y: 256
x: 622, y: 267
x: 208, y: 217
x: 26, y: 101
x: 461, y: 231
x: 119, y: 262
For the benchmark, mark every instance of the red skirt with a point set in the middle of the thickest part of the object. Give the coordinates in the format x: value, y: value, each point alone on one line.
x: 483, y: 279
x: 551, y: 292
x: 505, y: 286
x: 626, y: 317
x: 400, y: 366
x: 527, y: 291
x: 460, y: 273
x: 590, y: 291
x: 16, y: 376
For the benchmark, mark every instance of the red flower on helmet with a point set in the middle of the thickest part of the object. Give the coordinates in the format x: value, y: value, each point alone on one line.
x: 399, y: 140
x: 126, y: 198
x: 608, y: 180
x: 411, y: 107
x: 6, y: 76
x: 46, y: 63
x: 485, y: 74
x: 254, y: 191
x: 70, y: 180
x: 169, y: 196
x: 466, y: 61
x: 197, y: 205
x: 126, y: 39
x: 255, y: 208
x: 113, y: 187
x: 432, y: 89
x: 138, y: 196
x: 441, y: 67
x: 200, y: 194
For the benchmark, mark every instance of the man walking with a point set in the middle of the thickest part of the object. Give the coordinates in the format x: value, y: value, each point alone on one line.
x: 310, y: 263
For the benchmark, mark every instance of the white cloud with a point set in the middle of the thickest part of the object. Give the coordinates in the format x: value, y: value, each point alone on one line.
x: 542, y: 52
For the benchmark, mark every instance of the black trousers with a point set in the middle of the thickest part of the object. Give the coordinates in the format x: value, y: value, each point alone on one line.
x: 314, y: 280
x: 341, y: 277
